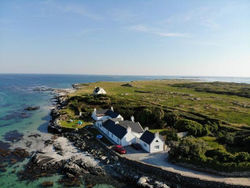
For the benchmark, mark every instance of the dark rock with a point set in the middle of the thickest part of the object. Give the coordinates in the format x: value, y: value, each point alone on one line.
x: 20, y: 153
x: 24, y: 115
x: 16, y: 115
x: 70, y: 182
x: 127, y: 85
x: 4, y: 150
x: 3, y: 170
x: 47, y: 184
x: 28, y: 143
x: 13, y: 161
x: 13, y: 136
x: 32, y: 108
x: 72, y: 168
x: 34, y: 135
x: 57, y: 147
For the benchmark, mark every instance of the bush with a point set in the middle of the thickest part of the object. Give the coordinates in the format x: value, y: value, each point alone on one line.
x: 171, y: 135
x: 227, y: 138
x: 151, y: 117
x: 171, y: 118
x: 241, y: 157
x: 195, y: 151
x: 193, y: 128
x: 189, y: 148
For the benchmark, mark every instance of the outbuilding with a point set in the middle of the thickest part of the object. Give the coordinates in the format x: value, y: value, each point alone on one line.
x: 99, y: 91
x: 151, y: 142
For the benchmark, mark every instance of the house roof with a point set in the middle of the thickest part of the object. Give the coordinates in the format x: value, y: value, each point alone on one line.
x: 107, y: 112
x: 116, y: 129
x: 148, y: 137
x: 135, y: 126
x: 98, y: 89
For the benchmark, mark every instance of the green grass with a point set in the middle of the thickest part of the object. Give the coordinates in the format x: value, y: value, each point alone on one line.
x: 73, y: 124
x: 160, y: 131
x: 212, y: 143
x: 162, y: 92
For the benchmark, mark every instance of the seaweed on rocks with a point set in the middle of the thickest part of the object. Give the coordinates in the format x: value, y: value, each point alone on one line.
x: 13, y: 136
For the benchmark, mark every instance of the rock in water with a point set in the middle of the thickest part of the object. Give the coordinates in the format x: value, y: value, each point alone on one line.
x: 32, y: 108
x: 13, y: 136
x: 47, y: 184
x: 72, y: 168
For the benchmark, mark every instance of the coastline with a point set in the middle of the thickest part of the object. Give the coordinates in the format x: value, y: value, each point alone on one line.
x: 64, y: 153
x: 30, y: 135
x: 85, y: 141
x: 105, y: 163
x: 217, y: 180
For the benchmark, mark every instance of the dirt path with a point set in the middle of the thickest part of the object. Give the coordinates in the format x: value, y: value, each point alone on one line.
x: 160, y: 159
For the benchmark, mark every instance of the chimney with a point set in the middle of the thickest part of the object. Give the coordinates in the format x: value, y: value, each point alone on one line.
x: 146, y: 129
x: 94, y: 110
x: 132, y: 118
x: 111, y: 108
x: 157, y: 134
x: 128, y: 129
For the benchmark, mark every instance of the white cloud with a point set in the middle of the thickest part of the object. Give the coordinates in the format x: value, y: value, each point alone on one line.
x: 156, y: 31
x: 139, y: 27
x: 172, y: 34
x: 71, y: 8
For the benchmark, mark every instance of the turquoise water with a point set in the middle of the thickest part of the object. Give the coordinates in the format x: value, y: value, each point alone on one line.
x: 16, y: 93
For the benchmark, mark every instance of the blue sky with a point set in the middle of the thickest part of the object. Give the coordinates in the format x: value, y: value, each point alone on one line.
x: 132, y: 37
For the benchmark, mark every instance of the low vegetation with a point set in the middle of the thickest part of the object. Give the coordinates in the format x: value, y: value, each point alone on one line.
x: 216, y: 117
x: 237, y: 89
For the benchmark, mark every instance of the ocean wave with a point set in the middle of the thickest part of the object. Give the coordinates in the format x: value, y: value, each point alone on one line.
x: 2, y: 98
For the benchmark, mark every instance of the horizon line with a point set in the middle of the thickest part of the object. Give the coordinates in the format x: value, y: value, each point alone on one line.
x: 139, y: 75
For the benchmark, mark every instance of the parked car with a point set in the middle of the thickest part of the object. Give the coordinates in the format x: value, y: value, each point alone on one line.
x: 136, y: 146
x: 120, y: 149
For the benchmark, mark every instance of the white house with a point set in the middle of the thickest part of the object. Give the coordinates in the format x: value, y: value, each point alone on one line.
x: 105, y: 114
x: 151, y: 142
x: 117, y: 133
x: 99, y: 91
x: 136, y: 128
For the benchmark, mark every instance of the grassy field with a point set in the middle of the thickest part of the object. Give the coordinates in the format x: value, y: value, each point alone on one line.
x: 216, y: 116
x: 226, y: 107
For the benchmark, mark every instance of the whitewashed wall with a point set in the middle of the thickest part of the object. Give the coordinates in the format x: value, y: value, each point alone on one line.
x: 155, y: 144
x: 145, y: 146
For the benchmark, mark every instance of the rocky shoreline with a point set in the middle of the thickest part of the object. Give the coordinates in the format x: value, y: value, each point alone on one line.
x: 79, y: 157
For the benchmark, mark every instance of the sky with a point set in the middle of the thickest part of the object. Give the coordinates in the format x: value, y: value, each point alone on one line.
x: 132, y: 37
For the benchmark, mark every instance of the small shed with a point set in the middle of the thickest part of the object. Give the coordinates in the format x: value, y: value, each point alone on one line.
x: 151, y: 142
x: 99, y: 91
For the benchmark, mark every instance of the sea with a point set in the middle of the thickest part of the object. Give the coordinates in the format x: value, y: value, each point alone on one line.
x: 17, y: 92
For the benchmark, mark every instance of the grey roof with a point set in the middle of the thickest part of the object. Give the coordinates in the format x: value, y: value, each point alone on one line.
x: 135, y: 126
x: 116, y: 129
x: 148, y: 137
x: 97, y: 89
x: 107, y: 112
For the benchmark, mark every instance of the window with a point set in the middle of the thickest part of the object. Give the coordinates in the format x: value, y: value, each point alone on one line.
x: 157, y: 141
x: 157, y: 147
x: 145, y: 145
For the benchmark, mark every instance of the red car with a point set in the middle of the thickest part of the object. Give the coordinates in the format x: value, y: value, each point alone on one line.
x: 120, y: 149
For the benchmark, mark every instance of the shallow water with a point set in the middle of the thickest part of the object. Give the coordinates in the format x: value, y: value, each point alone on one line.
x: 16, y: 93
